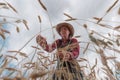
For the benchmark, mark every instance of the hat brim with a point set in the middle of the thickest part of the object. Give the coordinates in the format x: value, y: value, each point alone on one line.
x: 69, y: 26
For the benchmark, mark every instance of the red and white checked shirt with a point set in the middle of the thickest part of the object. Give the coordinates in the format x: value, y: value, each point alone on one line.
x: 60, y: 43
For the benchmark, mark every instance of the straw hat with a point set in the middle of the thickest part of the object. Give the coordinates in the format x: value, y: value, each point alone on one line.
x: 69, y: 26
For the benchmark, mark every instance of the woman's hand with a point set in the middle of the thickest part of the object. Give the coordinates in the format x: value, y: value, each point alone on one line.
x: 65, y: 56
x: 41, y: 40
x: 60, y: 54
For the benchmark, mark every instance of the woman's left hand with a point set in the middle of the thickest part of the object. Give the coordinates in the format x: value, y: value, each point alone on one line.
x: 67, y: 56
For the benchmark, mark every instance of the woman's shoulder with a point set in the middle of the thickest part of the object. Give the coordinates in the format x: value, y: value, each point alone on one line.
x: 58, y: 40
x: 74, y: 40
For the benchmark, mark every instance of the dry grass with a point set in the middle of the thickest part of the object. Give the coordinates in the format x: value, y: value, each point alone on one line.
x: 43, y: 6
x: 42, y: 68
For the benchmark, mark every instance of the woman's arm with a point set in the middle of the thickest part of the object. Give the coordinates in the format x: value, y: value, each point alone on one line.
x: 74, y: 53
x: 43, y: 43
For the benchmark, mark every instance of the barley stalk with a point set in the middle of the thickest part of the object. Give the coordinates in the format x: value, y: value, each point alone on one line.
x: 25, y: 23
x: 11, y: 69
x: 12, y: 57
x: 112, y: 6
x: 12, y: 7
x: 20, y: 53
x: 86, y: 48
x: 43, y: 6
x: 17, y: 29
x: 39, y: 19
x: 119, y: 11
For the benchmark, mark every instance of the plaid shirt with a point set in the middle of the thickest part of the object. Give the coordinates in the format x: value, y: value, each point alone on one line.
x: 60, y: 44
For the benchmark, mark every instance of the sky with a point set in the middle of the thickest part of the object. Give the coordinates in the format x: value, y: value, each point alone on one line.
x: 80, y: 9
x: 30, y: 9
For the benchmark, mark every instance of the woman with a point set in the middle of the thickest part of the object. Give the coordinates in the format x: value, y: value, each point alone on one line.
x: 67, y: 51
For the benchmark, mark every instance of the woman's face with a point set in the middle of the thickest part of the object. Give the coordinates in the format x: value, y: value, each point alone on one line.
x: 64, y: 32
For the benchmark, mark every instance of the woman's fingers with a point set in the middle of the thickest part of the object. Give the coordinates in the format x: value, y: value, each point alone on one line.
x: 67, y: 56
x: 64, y: 56
x: 60, y: 55
x: 40, y: 40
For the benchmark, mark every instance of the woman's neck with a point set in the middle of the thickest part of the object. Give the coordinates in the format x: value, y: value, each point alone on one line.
x: 65, y: 39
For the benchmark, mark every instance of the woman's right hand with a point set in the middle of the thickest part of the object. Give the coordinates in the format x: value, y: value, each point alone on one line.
x: 41, y: 40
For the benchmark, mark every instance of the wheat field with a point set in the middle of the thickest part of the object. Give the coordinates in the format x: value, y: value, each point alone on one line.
x: 25, y: 60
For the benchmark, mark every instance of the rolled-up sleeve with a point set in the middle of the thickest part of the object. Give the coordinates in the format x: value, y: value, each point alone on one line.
x: 51, y: 47
x: 75, y: 51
